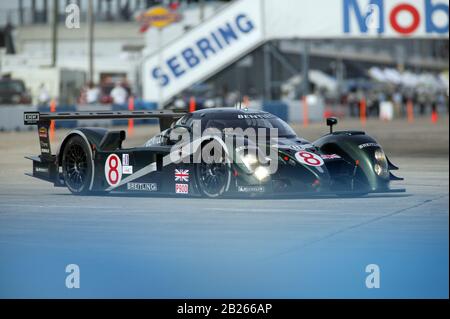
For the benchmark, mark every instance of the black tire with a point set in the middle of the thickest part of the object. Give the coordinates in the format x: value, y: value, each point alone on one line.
x: 77, y: 165
x: 213, y: 179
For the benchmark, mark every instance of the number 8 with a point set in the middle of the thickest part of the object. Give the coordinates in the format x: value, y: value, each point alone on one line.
x: 113, y: 169
x: 308, y: 158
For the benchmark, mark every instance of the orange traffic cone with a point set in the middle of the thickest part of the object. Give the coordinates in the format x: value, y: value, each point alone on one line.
x: 362, y: 111
x: 305, y: 111
x: 192, y: 104
x: 52, y: 123
x: 131, y: 121
x: 410, y: 111
x: 434, y: 116
x: 246, y: 101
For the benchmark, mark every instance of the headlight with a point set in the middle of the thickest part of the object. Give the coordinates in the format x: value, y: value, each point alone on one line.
x: 380, y: 156
x: 378, y: 169
x: 261, y: 173
x: 247, y: 159
x: 250, y: 161
x: 381, y: 165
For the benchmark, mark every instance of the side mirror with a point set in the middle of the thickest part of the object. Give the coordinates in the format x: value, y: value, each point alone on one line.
x: 330, y: 122
x: 177, y: 133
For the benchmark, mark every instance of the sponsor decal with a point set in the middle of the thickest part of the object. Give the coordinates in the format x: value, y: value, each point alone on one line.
x: 398, y: 17
x: 220, y: 41
x: 305, y: 146
x: 255, y: 116
x: 181, y: 175
x: 43, y: 132
x: 251, y: 189
x: 309, y: 159
x: 45, y: 150
x: 368, y: 145
x: 300, y: 147
x: 147, y: 187
x: 294, y: 147
x: 31, y: 118
x: 330, y: 156
x: 158, y: 17
x: 113, y: 170
x: 127, y: 169
x: 125, y: 159
x: 182, y: 188
x: 41, y: 170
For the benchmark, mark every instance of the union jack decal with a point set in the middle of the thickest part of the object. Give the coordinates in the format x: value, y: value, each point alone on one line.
x: 181, y: 175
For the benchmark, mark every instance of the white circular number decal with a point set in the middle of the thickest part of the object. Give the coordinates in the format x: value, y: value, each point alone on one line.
x: 113, y: 170
x: 308, y: 158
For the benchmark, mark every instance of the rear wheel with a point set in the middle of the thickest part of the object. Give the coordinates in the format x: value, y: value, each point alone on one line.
x: 77, y: 165
x: 213, y: 174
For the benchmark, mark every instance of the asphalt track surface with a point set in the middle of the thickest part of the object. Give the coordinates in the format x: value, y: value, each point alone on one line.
x: 169, y: 247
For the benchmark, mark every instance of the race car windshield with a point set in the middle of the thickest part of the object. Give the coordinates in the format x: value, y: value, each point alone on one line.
x: 284, y: 130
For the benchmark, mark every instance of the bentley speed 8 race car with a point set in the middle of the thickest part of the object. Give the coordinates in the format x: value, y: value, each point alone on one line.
x: 226, y: 161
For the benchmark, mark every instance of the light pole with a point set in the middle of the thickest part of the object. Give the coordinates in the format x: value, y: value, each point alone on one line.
x: 91, y: 39
x: 55, y: 32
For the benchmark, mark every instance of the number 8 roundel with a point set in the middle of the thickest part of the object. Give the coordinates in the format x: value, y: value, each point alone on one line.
x: 113, y: 170
x: 308, y: 158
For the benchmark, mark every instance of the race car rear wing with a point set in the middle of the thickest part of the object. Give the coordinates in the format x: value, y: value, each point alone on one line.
x: 165, y: 117
x: 43, y: 119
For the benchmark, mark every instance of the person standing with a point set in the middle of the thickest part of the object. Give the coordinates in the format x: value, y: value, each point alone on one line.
x: 92, y: 93
x: 118, y: 94
x: 43, y: 95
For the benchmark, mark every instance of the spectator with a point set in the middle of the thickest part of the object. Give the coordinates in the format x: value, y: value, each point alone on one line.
x: 397, y: 98
x: 43, y: 95
x: 92, y: 93
x: 118, y: 94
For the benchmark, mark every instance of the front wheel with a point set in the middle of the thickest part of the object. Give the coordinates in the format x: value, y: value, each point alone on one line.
x: 213, y: 174
x: 77, y: 165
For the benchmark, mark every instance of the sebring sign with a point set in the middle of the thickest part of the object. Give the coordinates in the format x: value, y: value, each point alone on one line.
x: 203, y: 51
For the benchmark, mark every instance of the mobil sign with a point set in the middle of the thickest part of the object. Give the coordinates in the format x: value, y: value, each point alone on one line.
x: 396, y: 17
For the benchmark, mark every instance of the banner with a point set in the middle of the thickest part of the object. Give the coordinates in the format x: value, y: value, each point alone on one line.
x: 203, y: 51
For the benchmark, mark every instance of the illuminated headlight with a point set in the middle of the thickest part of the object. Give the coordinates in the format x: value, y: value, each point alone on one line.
x: 380, y: 156
x: 381, y: 165
x: 378, y: 169
x: 249, y: 161
x: 261, y: 173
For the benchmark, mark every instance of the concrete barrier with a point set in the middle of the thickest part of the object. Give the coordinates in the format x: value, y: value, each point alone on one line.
x: 295, y: 111
x: 11, y: 117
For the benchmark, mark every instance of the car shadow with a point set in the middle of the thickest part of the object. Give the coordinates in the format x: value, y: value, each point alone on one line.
x: 250, y: 198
